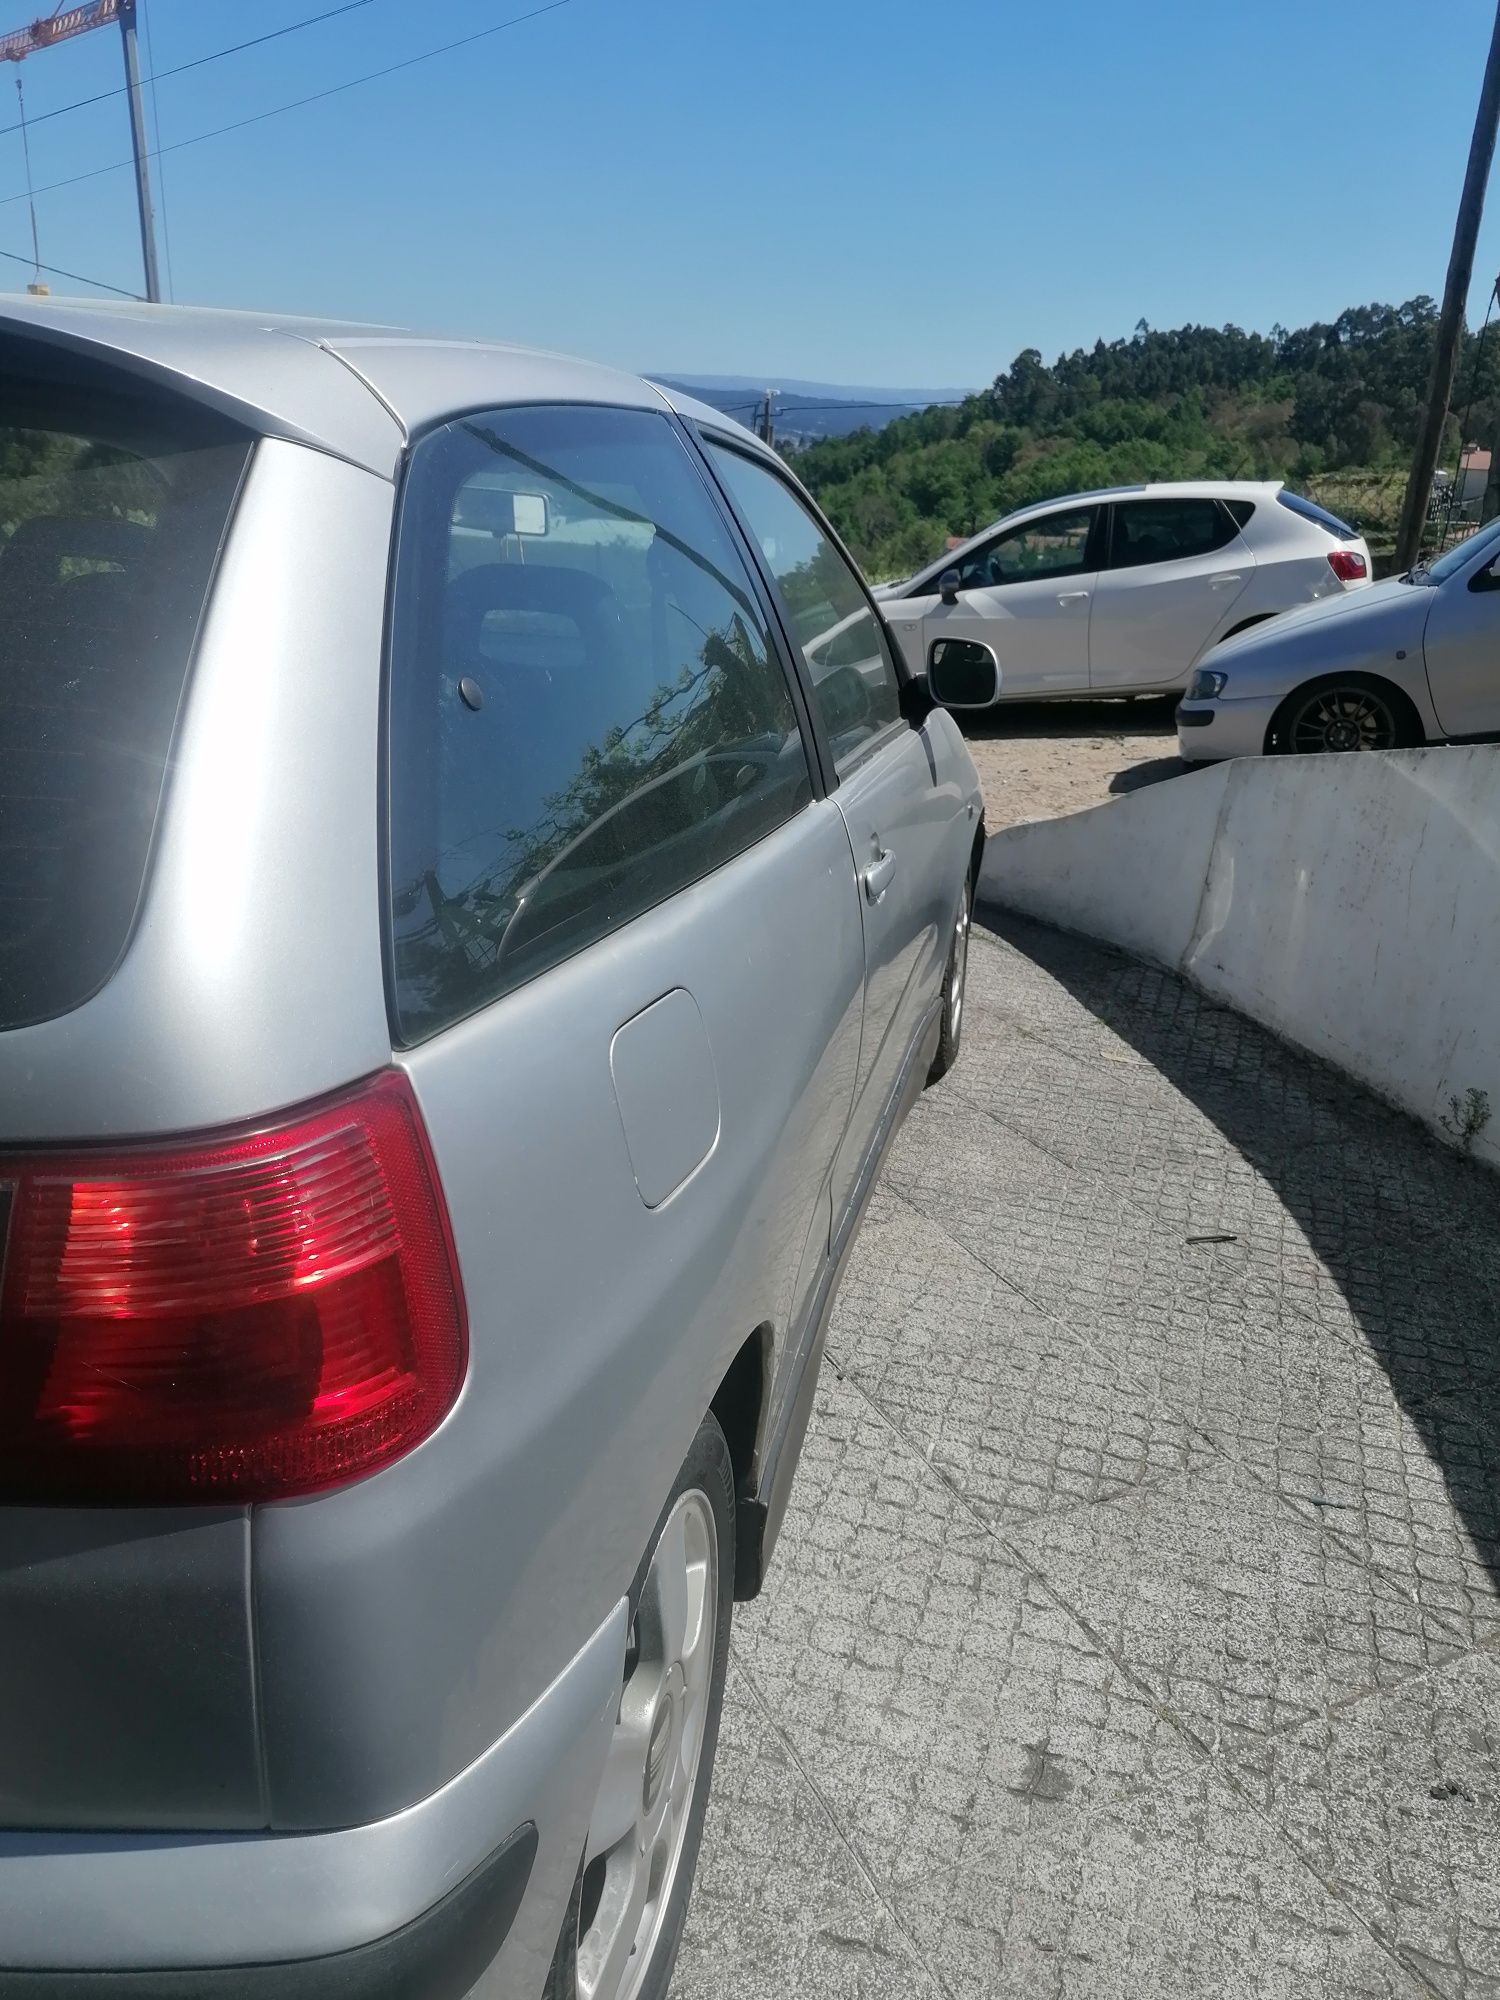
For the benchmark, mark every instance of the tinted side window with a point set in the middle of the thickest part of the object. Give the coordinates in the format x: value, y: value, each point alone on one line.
x: 1055, y: 545
x: 113, y: 503
x: 1241, y: 511
x: 842, y: 638
x: 586, y: 712
x: 1156, y: 531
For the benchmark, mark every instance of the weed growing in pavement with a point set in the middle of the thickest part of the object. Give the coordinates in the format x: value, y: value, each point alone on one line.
x: 1466, y: 1117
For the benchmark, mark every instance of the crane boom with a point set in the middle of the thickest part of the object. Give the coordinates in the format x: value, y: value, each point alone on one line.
x: 54, y: 28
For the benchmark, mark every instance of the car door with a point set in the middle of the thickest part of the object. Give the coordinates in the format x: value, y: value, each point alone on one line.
x: 1172, y: 573
x: 1462, y: 645
x: 896, y: 785
x: 627, y: 970
x: 1028, y: 595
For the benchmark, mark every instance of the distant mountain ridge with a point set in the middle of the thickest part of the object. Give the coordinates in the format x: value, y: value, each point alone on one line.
x: 805, y: 410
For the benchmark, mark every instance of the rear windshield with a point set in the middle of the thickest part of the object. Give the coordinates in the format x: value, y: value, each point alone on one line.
x: 112, y: 508
x: 1311, y: 511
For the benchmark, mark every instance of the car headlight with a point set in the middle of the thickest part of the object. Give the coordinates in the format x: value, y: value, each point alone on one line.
x: 1206, y: 684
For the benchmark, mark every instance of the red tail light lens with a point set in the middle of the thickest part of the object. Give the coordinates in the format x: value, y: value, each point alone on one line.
x: 238, y: 1320
x: 1348, y: 565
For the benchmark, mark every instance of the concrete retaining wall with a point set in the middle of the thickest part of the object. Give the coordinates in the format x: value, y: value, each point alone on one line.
x: 1351, y: 904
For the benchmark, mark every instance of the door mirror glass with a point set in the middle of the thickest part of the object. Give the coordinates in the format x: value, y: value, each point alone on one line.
x: 949, y: 585
x: 962, y: 673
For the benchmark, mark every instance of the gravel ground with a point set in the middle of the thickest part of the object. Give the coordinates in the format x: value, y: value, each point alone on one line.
x: 1038, y: 759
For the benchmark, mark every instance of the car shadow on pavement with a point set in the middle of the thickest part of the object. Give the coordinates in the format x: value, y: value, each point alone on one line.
x: 1135, y: 777
x: 1406, y: 1238
x: 1071, y: 717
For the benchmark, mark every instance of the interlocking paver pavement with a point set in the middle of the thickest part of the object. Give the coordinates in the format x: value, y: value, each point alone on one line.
x: 1135, y: 1629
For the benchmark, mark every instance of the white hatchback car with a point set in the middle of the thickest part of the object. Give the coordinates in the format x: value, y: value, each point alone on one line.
x: 1123, y: 592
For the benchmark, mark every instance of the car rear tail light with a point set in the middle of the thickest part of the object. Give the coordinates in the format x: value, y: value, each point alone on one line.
x: 230, y: 1320
x: 1348, y: 565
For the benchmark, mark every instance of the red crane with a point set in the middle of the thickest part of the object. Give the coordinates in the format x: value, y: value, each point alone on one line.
x: 62, y: 27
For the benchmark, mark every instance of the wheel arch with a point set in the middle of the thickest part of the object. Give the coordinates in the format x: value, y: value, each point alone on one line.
x: 1402, y: 704
x: 740, y: 1405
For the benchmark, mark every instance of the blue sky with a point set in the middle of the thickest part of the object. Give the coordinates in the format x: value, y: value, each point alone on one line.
x: 878, y: 193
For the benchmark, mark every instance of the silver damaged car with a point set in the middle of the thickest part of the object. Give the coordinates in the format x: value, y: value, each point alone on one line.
x: 1409, y: 661
x: 478, y: 894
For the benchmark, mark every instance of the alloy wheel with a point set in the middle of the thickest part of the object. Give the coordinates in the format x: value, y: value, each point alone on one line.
x: 641, y: 1813
x: 1343, y: 718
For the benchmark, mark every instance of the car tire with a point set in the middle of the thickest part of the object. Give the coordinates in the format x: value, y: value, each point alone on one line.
x: 1344, y: 705
x: 955, y: 983
x: 640, y: 1871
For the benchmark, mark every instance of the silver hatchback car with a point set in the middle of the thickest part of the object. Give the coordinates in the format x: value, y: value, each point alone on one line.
x: 478, y: 893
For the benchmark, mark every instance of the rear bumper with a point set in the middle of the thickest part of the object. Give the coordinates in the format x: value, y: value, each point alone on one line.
x: 438, y: 1956
x: 475, y: 1878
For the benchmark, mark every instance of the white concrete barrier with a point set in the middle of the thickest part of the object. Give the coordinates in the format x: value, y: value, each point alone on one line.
x: 1351, y: 904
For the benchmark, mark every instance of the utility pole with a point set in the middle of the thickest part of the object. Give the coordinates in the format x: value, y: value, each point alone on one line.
x: 766, y: 429
x: 1451, y: 319
x: 138, y: 146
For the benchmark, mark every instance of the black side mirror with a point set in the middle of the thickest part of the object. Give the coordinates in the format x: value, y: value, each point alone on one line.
x: 962, y: 673
x: 949, y: 585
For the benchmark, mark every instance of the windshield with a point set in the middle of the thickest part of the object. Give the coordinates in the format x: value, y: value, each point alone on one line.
x: 1487, y: 541
x: 111, y: 513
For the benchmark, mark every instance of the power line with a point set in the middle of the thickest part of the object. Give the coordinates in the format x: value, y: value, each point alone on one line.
x: 298, y: 103
x: 76, y: 276
x: 198, y: 62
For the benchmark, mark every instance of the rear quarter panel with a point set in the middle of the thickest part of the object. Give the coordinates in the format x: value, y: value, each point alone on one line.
x: 252, y: 981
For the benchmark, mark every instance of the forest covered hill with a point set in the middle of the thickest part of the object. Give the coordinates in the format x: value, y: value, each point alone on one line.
x: 1331, y: 408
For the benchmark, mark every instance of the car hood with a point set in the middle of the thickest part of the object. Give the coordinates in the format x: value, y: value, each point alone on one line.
x: 1381, y: 617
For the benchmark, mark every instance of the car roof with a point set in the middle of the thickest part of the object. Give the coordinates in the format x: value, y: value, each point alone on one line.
x: 357, y: 391
x: 1160, y: 489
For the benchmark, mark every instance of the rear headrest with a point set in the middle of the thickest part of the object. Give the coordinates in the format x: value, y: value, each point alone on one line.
x: 563, y: 592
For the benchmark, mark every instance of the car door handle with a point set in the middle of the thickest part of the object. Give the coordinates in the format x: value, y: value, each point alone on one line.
x: 877, y: 877
x: 1073, y: 597
x: 1232, y: 576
